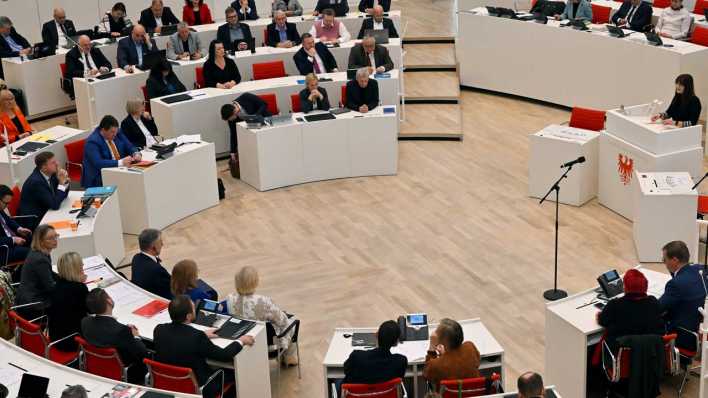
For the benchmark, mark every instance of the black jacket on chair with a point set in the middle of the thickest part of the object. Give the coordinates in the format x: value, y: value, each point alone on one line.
x: 273, y: 36
x: 133, y: 133
x: 387, y: 24
x: 38, y: 197
x: 67, y: 310
x: 147, y: 18
x: 50, y: 36
x: 364, y: 4
x: 373, y: 366
x: 74, y: 66
x: 223, y: 35
x: 7, y: 52
x: 151, y: 276
x: 182, y: 345
x: 107, y: 332
x: 641, y: 18
x: 158, y: 87
x: 304, y: 63
x: 646, y: 364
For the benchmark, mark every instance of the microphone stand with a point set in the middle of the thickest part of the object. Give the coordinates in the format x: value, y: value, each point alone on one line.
x: 555, y: 293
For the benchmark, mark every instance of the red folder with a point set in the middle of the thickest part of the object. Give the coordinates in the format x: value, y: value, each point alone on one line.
x: 151, y: 309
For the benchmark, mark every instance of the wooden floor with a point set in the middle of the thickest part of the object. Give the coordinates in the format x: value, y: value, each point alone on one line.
x: 453, y: 235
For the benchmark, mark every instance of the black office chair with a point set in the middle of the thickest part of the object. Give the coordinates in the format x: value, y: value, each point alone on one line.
x: 274, y: 350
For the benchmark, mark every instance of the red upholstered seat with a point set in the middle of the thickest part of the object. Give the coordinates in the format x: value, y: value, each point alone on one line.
x: 700, y: 36
x: 269, y: 70
x: 272, y: 103
x: 600, y: 14
x: 388, y: 389
x: 471, y: 387
x: 295, y: 103
x: 74, y: 159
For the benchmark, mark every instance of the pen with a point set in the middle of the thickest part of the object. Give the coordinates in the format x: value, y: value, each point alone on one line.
x: 15, y: 366
x: 93, y: 281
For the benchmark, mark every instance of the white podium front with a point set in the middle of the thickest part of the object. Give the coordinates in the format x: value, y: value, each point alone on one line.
x: 664, y: 210
x: 631, y: 142
x: 555, y: 145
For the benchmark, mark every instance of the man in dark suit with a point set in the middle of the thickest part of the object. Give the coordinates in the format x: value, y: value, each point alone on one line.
x: 282, y: 33
x: 103, y: 330
x: 156, y: 16
x: 233, y: 31
x: 340, y: 7
x: 377, y: 365
x: 56, y: 31
x: 146, y: 268
x: 45, y: 189
x: 378, y: 22
x: 246, y: 9
x: 244, y: 104
x: 368, y: 54
x: 132, y: 49
x: 85, y: 57
x: 13, y: 236
x: 683, y: 294
x: 314, y: 58
x: 106, y: 146
x: 368, y: 6
x: 12, y: 44
x: 633, y: 14
x: 362, y: 92
x: 179, y: 344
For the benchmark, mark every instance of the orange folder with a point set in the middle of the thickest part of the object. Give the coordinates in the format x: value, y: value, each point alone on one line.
x: 151, y: 309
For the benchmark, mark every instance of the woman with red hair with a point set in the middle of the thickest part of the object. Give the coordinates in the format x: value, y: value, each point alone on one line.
x: 634, y: 313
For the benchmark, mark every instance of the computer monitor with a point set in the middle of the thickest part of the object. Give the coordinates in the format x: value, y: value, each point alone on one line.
x: 33, y: 386
x: 380, y: 35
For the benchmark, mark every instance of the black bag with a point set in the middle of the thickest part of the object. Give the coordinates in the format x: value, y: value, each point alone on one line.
x: 548, y: 8
x: 234, y: 168
x: 222, y: 190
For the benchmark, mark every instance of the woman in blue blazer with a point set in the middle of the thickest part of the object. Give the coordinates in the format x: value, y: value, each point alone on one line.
x: 577, y: 9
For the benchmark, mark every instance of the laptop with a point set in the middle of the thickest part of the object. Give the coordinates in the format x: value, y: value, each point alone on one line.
x: 250, y: 43
x: 33, y: 386
x: 207, y: 313
x: 253, y: 121
x: 380, y: 35
x: 319, y: 117
x: 235, y: 328
x: 176, y: 98
x: 279, y: 120
x: 152, y: 58
x: 653, y: 38
x: 615, y: 31
x: 104, y: 76
x: 168, y: 30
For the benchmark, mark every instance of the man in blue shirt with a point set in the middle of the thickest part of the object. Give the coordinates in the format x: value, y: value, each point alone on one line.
x: 683, y: 294
x: 282, y: 33
x: 12, y: 44
x: 132, y: 50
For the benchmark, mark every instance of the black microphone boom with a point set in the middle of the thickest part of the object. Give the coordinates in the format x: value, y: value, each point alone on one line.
x: 574, y: 162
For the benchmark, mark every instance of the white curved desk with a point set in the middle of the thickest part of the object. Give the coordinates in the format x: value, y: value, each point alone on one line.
x: 99, y: 235
x: 97, y: 98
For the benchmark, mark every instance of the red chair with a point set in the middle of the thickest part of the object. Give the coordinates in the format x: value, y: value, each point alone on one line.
x: 104, y: 362
x: 472, y: 387
x: 145, y: 96
x: 343, y: 101
x: 272, y: 103
x: 269, y: 70
x: 199, y: 81
x: 700, y: 35
x: 661, y: 3
x: 295, y: 103
x: 74, y: 159
x: 700, y: 6
x: 622, y: 360
x: 689, y: 355
x: 389, y: 389
x: 600, y: 14
x: 588, y: 119
x: 179, y: 379
x: 30, y: 337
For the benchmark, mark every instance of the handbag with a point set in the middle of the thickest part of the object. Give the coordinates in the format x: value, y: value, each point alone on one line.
x: 234, y: 168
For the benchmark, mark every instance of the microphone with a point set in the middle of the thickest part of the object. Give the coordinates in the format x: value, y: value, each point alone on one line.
x: 573, y: 162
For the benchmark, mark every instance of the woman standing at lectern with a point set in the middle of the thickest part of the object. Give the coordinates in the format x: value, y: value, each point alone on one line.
x: 685, y: 107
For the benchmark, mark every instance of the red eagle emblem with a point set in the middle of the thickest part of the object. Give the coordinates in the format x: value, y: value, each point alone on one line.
x: 625, y: 167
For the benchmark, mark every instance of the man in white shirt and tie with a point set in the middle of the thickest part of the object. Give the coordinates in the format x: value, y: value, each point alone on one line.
x: 314, y: 58
x: 56, y: 32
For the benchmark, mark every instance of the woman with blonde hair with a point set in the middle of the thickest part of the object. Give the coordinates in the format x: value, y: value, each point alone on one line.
x: 185, y: 280
x: 36, y: 277
x: 68, y: 301
x: 139, y: 126
x: 12, y: 118
x: 249, y: 305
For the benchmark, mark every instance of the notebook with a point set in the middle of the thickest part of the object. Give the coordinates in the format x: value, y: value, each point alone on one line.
x: 152, y: 308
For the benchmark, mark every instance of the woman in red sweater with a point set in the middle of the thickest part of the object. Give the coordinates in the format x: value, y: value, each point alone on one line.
x: 195, y: 12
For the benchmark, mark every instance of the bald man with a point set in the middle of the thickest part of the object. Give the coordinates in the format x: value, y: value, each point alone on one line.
x: 378, y: 22
x: 132, y: 49
x: 157, y: 16
x: 530, y: 385
x: 55, y: 32
x: 85, y: 59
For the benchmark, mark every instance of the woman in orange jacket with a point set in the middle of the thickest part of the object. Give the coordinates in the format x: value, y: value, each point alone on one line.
x: 12, y: 119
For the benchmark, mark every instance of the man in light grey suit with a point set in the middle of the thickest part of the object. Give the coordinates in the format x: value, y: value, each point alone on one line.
x: 184, y: 45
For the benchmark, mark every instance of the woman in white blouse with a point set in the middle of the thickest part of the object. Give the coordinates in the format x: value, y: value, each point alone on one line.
x: 674, y: 22
x: 246, y: 304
